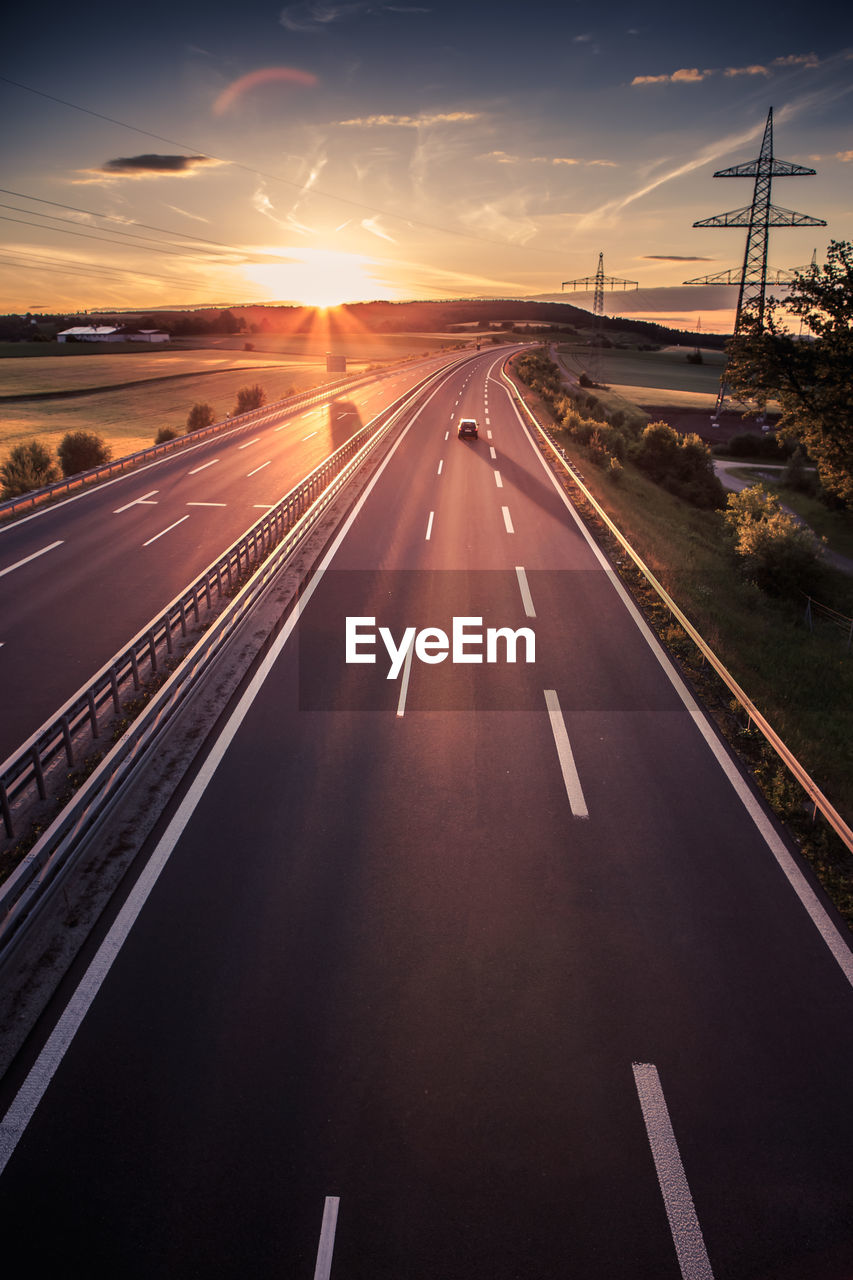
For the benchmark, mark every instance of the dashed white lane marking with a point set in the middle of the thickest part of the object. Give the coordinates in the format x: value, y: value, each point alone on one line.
x: 35, y: 555
x: 203, y: 467
x: 440, y: 467
x: 145, y: 500
x: 488, y: 435
x: 492, y: 453
x: 571, y: 780
x: 162, y: 531
x: 248, y: 442
x: 447, y: 435
x: 404, y: 680
x: 488, y: 419
x: 507, y: 520
x: 207, y: 504
x: 262, y: 506
x: 311, y: 437
x: 326, y: 1247
x: 429, y: 526
x: 524, y: 588
x: 498, y: 480
x: 260, y: 468
x: 683, y: 1223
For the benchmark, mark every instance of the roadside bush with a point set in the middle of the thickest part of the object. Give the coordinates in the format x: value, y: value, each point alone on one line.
x: 775, y: 551
x: 796, y: 477
x: 748, y: 445
x: 29, y: 466
x: 250, y: 398
x: 82, y: 450
x: 200, y: 416
x: 680, y: 464
x: 166, y: 433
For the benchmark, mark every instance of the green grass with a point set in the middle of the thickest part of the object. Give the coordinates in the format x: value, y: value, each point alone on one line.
x: 660, y: 378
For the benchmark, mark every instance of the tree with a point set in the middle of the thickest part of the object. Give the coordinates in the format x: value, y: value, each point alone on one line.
x: 774, y: 549
x: 808, y: 376
x: 250, y: 398
x: 200, y: 416
x: 29, y: 466
x: 82, y: 450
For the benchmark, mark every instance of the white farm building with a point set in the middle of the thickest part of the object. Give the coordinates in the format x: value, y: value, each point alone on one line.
x: 111, y: 333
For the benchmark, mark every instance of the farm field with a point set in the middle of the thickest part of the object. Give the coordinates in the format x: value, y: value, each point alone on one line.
x: 659, y: 378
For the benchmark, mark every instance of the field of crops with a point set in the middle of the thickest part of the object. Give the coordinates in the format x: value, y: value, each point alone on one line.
x: 659, y: 378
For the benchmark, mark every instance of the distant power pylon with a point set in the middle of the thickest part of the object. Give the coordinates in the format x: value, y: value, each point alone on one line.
x: 599, y: 282
x: 758, y: 217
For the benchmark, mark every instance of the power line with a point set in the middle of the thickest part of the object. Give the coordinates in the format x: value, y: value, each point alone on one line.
x: 87, y: 267
x: 176, y: 252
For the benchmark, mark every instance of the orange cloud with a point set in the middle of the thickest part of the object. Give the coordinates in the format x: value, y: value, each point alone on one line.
x: 266, y: 75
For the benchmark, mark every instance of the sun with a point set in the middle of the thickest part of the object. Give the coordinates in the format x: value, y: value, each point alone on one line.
x: 319, y: 278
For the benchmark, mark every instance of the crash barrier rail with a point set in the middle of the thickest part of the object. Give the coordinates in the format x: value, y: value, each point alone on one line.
x: 236, y: 423
x: 42, y: 868
x: 151, y: 647
x: 790, y: 761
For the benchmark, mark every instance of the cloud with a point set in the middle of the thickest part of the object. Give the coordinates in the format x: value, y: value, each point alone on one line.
x: 146, y: 166
x: 756, y: 70
x: 372, y: 225
x: 845, y: 156
x: 314, y: 16
x: 797, y: 60
x: 686, y: 75
x: 196, y: 217
x: 412, y: 122
x: 505, y: 157
x: 673, y: 257
x: 585, y: 39
x: 254, y: 79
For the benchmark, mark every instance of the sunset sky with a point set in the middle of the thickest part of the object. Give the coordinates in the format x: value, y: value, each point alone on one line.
x: 189, y: 153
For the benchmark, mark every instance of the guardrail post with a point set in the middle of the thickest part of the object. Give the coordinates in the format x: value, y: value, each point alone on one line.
x: 93, y: 712
x: 114, y: 688
x: 38, y: 771
x: 152, y: 650
x: 195, y: 603
x: 6, y: 811
x: 66, y: 738
x: 167, y: 626
x: 134, y: 666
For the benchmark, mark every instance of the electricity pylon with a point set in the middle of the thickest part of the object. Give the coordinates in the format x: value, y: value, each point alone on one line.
x: 599, y: 281
x: 758, y: 217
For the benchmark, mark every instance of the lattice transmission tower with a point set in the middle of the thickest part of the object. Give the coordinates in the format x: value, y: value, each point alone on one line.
x: 599, y: 283
x: 758, y: 217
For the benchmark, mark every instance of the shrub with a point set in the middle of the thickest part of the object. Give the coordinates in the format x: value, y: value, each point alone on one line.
x: 748, y: 445
x: 776, y: 552
x: 28, y: 466
x: 614, y: 470
x: 82, y: 450
x: 796, y: 477
x: 200, y: 416
x: 585, y: 380
x: 166, y: 433
x: 250, y: 398
x: 681, y: 464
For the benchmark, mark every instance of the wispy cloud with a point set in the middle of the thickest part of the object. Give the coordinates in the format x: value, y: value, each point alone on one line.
x: 686, y: 75
x: 755, y: 70
x: 412, y: 122
x: 692, y: 75
x: 673, y: 257
x: 196, y: 217
x: 506, y: 157
x: 372, y: 225
x: 315, y: 16
x: 255, y: 79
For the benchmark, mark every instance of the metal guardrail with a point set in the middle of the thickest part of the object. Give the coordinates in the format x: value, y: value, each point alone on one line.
x: 819, y: 800
x: 250, y: 419
x: 25, y: 770
x: 45, y: 863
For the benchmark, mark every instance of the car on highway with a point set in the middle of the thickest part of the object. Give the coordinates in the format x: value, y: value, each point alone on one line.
x: 468, y: 429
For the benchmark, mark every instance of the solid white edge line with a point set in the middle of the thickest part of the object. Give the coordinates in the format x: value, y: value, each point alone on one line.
x: 162, y: 531
x: 835, y: 941
x: 568, y: 768
x: 429, y: 526
x: 508, y: 525
x: 680, y: 1210
x: 260, y: 468
x: 43, y: 1069
x: 35, y: 555
x: 203, y: 467
x: 524, y: 588
x: 326, y: 1247
x: 404, y: 681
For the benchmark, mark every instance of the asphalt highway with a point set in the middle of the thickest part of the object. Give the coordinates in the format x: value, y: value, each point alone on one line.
x: 79, y: 579
x: 490, y: 970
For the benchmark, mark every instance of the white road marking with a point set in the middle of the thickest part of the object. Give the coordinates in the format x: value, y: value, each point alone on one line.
x: 311, y: 437
x: 488, y: 435
x: 447, y: 435
x: 440, y: 466
x: 404, y: 680
x: 326, y: 1247
x: 429, y: 526
x: 144, y: 500
x: 564, y: 752
x: 488, y: 419
x: 683, y: 1223
x: 203, y: 467
x: 507, y: 520
x: 260, y: 468
x: 162, y: 531
x: 498, y: 480
x: 35, y: 555
x: 526, y: 597
x: 263, y: 506
x: 207, y: 504
x: 248, y: 442
x: 492, y: 454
